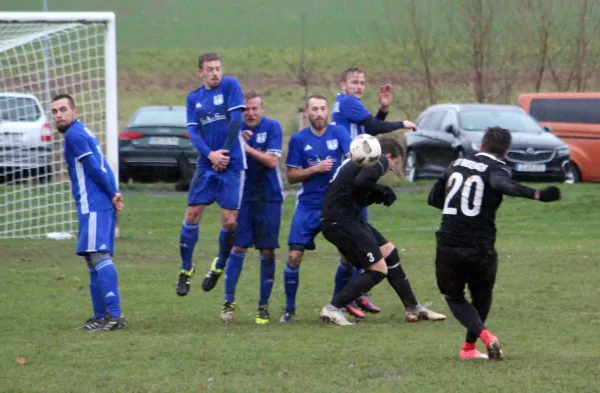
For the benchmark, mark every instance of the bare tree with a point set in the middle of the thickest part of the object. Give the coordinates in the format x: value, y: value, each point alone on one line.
x: 304, y: 66
x: 582, y: 66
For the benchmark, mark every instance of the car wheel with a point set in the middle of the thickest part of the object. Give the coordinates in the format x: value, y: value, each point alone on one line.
x: 572, y: 174
x: 410, y: 166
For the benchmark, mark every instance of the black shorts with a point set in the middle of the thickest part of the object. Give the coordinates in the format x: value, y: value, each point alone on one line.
x: 457, y: 267
x: 357, y: 241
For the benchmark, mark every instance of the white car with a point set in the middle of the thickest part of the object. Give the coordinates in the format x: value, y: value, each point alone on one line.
x: 25, y: 137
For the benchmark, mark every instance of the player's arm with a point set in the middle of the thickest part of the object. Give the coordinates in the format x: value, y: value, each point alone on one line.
x: 194, y: 130
x: 295, y: 172
x: 437, y: 194
x: 270, y: 159
x: 500, y: 180
x: 381, y: 115
x: 91, y: 167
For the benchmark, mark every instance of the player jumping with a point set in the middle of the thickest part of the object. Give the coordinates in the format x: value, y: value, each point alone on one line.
x: 214, y: 115
x: 97, y: 198
x: 314, y: 154
x: 352, y: 189
x: 260, y: 215
x: 469, y: 194
x: 350, y: 113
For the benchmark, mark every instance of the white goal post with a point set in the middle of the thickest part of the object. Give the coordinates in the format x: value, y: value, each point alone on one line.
x: 43, y: 54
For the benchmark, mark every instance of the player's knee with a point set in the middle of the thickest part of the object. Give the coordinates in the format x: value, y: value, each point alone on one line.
x: 229, y: 220
x: 295, y: 258
x: 94, y: 258
x: 267, y: 253
x: 387, y: 249
x: 393, y: 259
x: 193, y: 214
x: 379, y: 266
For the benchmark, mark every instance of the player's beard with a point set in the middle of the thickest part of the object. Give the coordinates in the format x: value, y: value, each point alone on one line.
x: 318, y: 124
x: 63, y: 127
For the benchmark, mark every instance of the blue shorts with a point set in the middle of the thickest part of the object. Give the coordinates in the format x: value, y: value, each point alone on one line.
x: 258, y: 225
x: 305, y: 226
x: 209, y: 186
x: 96, y: 232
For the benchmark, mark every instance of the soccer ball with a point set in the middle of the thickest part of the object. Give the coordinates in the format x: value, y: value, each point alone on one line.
x: 365, y: 150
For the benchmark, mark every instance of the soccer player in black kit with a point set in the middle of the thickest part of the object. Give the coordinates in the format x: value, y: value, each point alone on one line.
x: 351, y: 189
x: 469, y: 193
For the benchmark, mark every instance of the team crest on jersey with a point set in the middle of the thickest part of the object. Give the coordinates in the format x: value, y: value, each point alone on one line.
x: 332, y: 144
x: 218, y: 99
x: 261, y: 137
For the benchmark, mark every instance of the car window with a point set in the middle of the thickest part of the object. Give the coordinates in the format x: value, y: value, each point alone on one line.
x: 422, y: 121
x: 566, y: 110
x: 176, y: 118
x: 449, y: 119
x: 433, y: 121
x: 19, y: 109
x: 480, y: 120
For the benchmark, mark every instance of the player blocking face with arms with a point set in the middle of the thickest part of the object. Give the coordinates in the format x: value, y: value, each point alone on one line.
x: 214, y: 115
x: 350, y: 113
x: 260, y: 214
x: 469, y: 194
x: 97, y: 198
x: 352, y: 189
x: 314, y: 154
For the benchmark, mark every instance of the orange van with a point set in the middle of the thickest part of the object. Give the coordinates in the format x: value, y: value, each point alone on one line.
x: 575, y: 118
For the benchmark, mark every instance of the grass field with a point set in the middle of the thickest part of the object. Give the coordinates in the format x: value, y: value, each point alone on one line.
x: 545, y: 312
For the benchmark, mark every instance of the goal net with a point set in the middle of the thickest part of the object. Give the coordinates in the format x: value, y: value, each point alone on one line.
x: 41, y: 55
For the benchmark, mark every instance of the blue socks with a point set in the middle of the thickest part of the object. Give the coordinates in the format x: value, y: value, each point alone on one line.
x: 232, y: 274
x: 226, y: 240
x: 187, y: 242
x: 109, y: 286
x: 342, y: 275
x: 96, y: 294
x: 291, y: 278
x: 267, y: 276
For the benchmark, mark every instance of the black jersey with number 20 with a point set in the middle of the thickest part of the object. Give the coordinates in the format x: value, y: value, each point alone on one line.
x: 469, y: 194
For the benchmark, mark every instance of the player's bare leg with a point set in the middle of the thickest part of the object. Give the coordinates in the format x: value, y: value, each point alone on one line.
x: 291, y: 280
x: 187, y: 242
x: 226, y: 237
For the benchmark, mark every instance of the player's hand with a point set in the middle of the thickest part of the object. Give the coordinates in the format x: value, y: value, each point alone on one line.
x: 220, y: 158
x: 117, y: 201
x: 386, y: 96
x: 218, y: 168
x: 247, y: 134
x: 409, y: 125
x: 324, y: 166
x: 549, y: 194
x: 389, y: 196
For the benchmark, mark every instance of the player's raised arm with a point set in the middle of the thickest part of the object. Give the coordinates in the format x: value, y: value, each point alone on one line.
x: 357, y: 113
x: 500, y: 180
x: 77, y: 143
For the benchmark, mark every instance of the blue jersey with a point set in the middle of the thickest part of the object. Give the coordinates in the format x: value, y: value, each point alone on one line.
x: 348, y: 112
x: 209, y: 110
x: 79, y: 143
x: 307, y: 149
x: 264, y: 183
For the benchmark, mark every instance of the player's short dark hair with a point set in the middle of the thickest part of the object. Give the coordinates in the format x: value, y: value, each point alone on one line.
x: 496, y: 140
x: 390, y: 146
x: 351, y: 70
x: 65, y: 96
x: 317, y: 96
x: 250, y: 94
x: 206, y: 57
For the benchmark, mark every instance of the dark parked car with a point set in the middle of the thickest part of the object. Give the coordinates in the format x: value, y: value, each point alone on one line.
x: 449, y: 131
x: 156, y: 143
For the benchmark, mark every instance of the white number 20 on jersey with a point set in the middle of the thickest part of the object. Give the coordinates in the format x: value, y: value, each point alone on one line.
x: 467, y: 207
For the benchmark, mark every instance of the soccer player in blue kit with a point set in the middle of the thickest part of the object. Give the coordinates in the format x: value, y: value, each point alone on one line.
x: 214, y: 115
x: 260, y: 214
x: 314, y: 154
x: 97, y: 198
x: 350, y: 113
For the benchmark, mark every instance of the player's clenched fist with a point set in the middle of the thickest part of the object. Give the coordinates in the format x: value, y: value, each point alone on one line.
x: 219, y: 158
x: 117, y: 201
x: 324, y: 166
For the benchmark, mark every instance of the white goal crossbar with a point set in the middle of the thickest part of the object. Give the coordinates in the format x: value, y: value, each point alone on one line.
x: 42, y: 54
